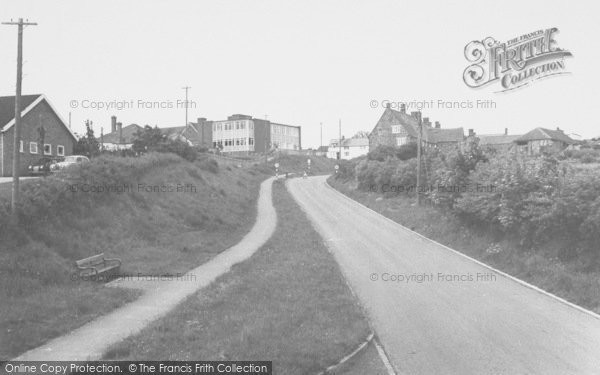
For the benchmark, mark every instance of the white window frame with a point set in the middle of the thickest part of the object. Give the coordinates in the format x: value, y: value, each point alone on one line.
x: 33, y: 148
x: 50, y: 148
x: 58, y: 152
x: 21, y: 147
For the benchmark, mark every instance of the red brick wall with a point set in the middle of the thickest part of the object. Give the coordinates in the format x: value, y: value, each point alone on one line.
x: 56, y: 134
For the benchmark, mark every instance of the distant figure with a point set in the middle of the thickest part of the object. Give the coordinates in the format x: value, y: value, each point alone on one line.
x: 304, y: 175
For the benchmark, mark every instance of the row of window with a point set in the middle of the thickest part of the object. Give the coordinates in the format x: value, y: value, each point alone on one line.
x: 286, y: 130
x: 33, y: 148
x: 398, y: 129
x: 237, y: 125
x: 234, y: 142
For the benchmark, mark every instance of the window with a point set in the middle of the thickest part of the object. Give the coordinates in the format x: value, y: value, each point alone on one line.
x: 21, y: 147
x: 60, y: 150
x: 251, y: 140
x: 401, y: 141
x: 251, y: 125
x: 33, y: 148
x: 47, y: 149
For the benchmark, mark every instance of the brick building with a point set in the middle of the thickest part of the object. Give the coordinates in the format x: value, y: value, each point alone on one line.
x: 542, y: 140
x: 38, y: 118
x: 397, y: 128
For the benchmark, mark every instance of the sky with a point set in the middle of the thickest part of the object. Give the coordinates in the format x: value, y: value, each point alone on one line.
x: 301, y: 63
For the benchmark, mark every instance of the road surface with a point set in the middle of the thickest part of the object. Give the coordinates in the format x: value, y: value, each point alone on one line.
x: 447, y: 314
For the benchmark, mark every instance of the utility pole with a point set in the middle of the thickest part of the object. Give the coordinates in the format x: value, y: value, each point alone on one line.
x: 17, y: 140
x: 321, y: 135
x: 419, y: 137
x: 186, y: 88
x: 340, y: 139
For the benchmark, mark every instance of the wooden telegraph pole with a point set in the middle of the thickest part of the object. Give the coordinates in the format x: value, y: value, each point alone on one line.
x: 17, y: 139
x: 186, y: 88
x: 419, y: 137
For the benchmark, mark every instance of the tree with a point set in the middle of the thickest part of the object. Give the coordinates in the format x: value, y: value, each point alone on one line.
x: 361, y: 134
x: 152, y: 139
x: 87, y: 145
x: 147, y: 139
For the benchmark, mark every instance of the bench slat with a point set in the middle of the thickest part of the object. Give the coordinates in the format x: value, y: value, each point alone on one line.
x: 93, y: 260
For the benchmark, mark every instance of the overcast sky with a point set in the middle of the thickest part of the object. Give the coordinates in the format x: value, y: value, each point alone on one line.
x: 297, y: 62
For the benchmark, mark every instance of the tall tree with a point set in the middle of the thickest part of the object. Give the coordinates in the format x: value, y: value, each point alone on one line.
x: 87, y: 145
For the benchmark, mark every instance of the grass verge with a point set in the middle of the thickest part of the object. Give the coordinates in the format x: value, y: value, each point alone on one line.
x: 537, y: 268
x: 288, y: 304
x: 153, y: 231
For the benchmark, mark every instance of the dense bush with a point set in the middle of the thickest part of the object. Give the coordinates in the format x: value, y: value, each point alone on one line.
x: 404, y: 152
x: 536, y: 199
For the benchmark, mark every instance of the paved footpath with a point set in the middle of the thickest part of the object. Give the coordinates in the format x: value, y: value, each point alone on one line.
x: 90, y: 341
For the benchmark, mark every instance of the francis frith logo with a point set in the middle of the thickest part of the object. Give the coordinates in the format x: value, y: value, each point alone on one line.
x: 514, y: 63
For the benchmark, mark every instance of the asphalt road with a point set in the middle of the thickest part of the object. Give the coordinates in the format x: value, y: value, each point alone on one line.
x: 461, y: 318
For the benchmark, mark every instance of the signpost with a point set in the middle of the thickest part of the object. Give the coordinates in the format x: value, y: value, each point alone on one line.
x: 336, y: 168
x: 276, y: 170
x: 308, y: 162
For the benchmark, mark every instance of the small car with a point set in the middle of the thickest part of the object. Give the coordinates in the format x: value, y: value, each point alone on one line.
x: 69, y: 160
x: 42, y: 166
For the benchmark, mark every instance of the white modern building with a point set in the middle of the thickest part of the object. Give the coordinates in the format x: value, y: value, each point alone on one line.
x: 351, y: 148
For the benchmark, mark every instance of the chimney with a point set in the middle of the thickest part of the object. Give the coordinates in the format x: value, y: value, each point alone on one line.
x: 426, y: 121
x: 471, y: 133
x: 437, y: 125
x: 403, y: 108
x: 505, y: 131
x: 120, y: 130
x: 416, y: 115
x: 387, y: 105
x: 559, y: 129
x: 113, y: 124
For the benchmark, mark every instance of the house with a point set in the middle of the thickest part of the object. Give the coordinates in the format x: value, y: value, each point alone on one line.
x: 43, y: 132
x: 321, y: 151
x: 499, y: 142
x: 195, y: 134
x: 244, y: 134
x: 333, y: 150
x: 542, y: 140
x: 351, y: 148
x: 119, y: 138
x: 397, y: 128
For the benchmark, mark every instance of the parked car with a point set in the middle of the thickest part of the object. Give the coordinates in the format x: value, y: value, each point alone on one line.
x: 69, y: 160
x: 43, y: 165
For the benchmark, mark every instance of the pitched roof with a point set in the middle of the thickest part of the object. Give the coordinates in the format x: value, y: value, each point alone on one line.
x: 497, y: 139
x: 543, y: 133
x: 437, y: 135
x: 128, y: 133
x: 410, y: 123
x: 322, y: 149
x: 7, y: 107
x: 28, y: 102
x: 174, y: 130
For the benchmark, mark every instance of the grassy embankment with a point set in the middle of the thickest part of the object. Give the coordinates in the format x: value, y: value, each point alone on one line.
x: 288, y: 304
x: 549, y: 273
x: 152, y: 232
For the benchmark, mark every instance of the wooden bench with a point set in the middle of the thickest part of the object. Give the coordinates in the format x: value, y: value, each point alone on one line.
x: 97, y: 266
